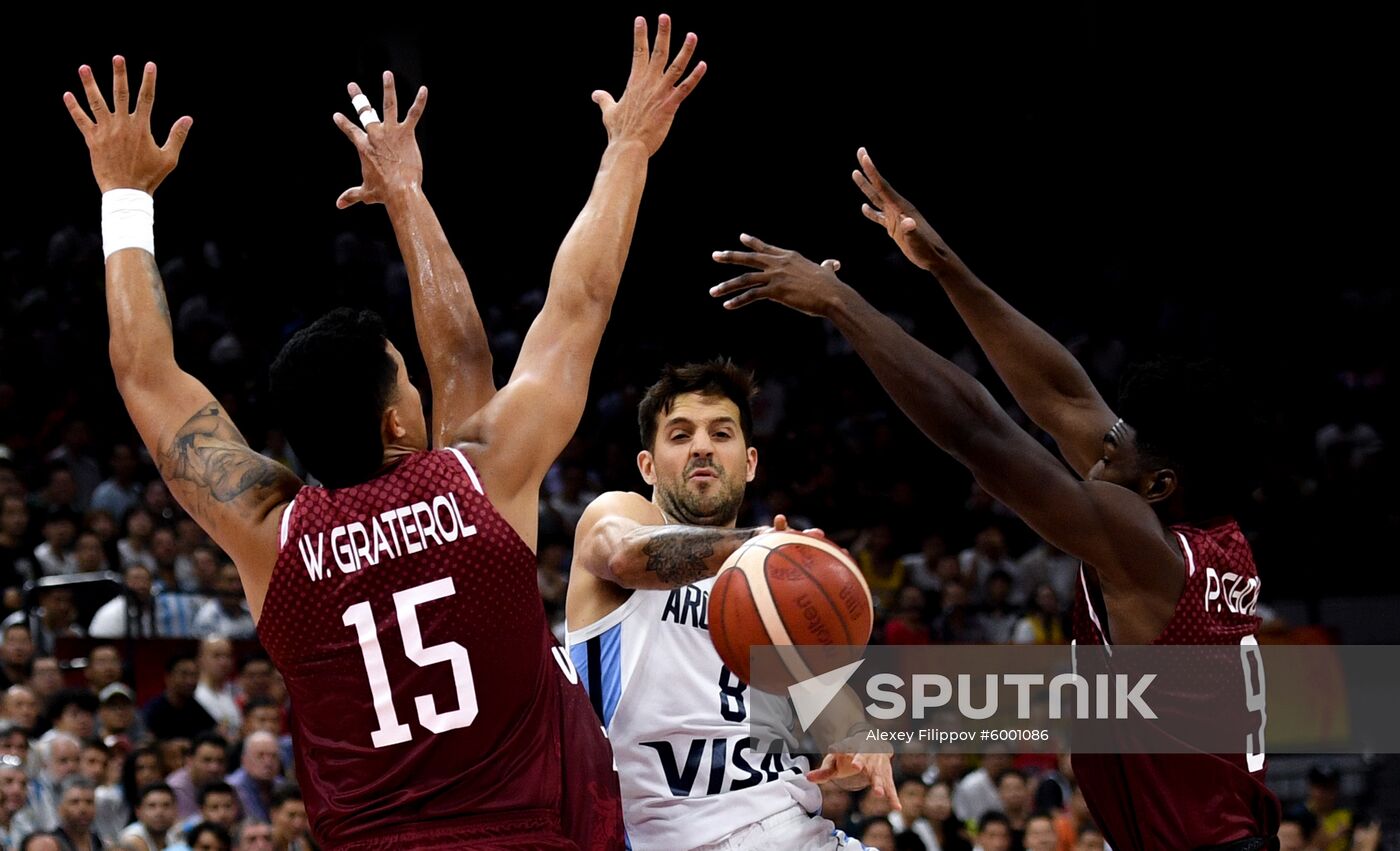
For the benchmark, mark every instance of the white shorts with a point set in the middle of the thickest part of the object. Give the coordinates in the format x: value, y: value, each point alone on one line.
x: 790, y: 830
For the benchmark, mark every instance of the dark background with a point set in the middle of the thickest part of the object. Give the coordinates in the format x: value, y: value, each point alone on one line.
x: 1138, y: 183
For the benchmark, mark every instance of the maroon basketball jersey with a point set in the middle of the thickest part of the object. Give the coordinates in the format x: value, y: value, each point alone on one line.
x: 1171, y: 802
x: 430, y: 706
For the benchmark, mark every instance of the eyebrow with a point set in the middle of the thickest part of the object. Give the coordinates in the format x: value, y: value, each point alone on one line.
x: 687, y: 421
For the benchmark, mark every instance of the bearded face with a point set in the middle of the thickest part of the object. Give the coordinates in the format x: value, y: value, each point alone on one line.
x: 699, y: 463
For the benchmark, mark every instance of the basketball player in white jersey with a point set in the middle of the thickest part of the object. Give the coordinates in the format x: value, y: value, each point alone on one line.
x: 679, y: 720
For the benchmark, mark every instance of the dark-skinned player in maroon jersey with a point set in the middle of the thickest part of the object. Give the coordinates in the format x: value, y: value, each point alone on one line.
x: 1147, y: 513
x: 399, y: 600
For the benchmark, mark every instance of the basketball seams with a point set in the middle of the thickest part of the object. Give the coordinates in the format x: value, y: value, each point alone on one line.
x: 836, y: 610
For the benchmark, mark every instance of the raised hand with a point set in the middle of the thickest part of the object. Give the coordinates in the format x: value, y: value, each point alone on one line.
x: 905, y: 224
x: 783, y: 276
x: 389, y: 155
x: 654, y: 88
x: 124, y: 153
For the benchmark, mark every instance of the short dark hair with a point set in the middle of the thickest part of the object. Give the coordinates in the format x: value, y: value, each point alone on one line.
x: 152, y: 788
x: 330, y: 385
x: 991, y: 818
x: 209, y: 738
x: 220, y: 833
x: 1180, y: 410
x: 175, y: 659
x: 64, y: 698
x: 718, y: 377
x: 218, y: 787
x: 282, y: 794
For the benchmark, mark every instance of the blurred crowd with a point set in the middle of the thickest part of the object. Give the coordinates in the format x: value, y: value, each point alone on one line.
x: 92, y: 546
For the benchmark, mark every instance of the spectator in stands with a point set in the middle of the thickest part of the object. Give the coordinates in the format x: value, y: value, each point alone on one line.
x: 55, y: 555
x: 998, y: 616
x: 289, y: 825
x: 1295, y: 832
x: 121, y: 492
x: 993, y: 833
x: 104, y: 667
x: 135, y: 548
x: 16, y: 817
x: 140, y: 769
x: 874, y: 552
x: 16, y: 560
x: 907, y: 625
x: 1045, y: 564
x: 59, y: 757
x: 227, y: 614
x: 45, y: 678
x: 1013, y: 789
x: 110, y: 808
x: 77, y: 809
x: 921, y: 568
x: 1334, y: 822
x: 21, y: 707
x: 175, y: 713
x: 986, y: 556
x: 1044, y: 624
x: 977, y: 794
x: 218, y: 804
x: 836, y: 805
x: 207, y: 763
x: 16, y: 654
x: 1090, y: 839
x: 911, y: 799
x: 1040, y: 833
x: 206, y: 836
x: 958, y: 623
x: 263, y: 714
x: 55, y: 618
x: 87, y: 551
x: 155, y: 820
x: 167, y: 558
x: 72, y: 711
x: 255, y: 836
x: 116, y: 712
x: 256, y: 776
x: 877, y: 833
x: 939, y: 829
x: 216, y: 692
x: 255, y: 679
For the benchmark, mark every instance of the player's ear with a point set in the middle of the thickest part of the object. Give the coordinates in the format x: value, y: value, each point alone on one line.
x: 391, y: 426
x: 751, y: 464
x: 647, y: 465
x: 1159, y: 485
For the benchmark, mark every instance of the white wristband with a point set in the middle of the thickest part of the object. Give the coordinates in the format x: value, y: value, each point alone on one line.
x: 128, y: 221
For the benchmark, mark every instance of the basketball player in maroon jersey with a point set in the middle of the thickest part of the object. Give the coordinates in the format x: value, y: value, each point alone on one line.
x: 399, y: 592
x: 1148, y: 519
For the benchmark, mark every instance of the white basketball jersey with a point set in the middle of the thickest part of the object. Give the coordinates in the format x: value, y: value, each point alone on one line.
x: 690, y: 768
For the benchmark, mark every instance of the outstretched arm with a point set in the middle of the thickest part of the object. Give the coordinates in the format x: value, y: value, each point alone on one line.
x: 1048, y: 382
x: 233, y: 492
x: 1108, y: 526
x: 444, y: 313
x: 517, y: 436
x: 623, y: 538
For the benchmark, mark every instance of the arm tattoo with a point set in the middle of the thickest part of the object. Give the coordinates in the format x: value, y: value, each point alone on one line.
x: 209, y: 452
x: 677, y: 555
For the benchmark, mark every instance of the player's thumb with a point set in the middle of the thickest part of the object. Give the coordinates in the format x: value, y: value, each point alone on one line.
x: 178, y: 134
x: 833, y: 265
x: 350, y: 197
x: 604, y: 100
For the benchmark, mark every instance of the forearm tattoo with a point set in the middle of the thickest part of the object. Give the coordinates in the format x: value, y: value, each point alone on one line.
x: 678, y: 555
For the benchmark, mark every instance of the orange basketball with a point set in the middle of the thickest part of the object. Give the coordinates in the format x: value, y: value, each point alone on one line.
x: 786, y: 589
